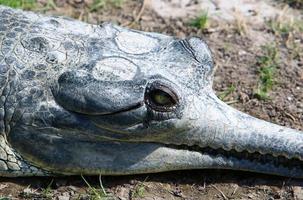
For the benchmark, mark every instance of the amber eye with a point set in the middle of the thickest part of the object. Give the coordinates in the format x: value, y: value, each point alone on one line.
x: 161, y: 98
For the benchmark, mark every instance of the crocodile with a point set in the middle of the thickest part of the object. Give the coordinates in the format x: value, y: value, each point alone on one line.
x: 77, y: 98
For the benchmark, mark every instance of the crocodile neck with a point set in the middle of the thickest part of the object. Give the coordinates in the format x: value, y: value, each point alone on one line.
x: 11, y: 163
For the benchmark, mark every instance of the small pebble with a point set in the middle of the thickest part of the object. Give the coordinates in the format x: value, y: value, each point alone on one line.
x: 63, y: 198
x: 298, y: 192
x: 242, y: 52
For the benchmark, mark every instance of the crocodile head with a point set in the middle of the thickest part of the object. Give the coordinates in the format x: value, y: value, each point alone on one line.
x: 143, y: 103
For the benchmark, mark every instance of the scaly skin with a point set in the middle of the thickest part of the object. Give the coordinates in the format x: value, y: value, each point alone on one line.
x: 85, y: 99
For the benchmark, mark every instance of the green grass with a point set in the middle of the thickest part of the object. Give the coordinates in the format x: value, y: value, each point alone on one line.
x: 279, y: 27
x: 47, y: 192
x: 99, y: 4
x: 97, y: 193
x: 295, y: 49
x: 268, y: 64
x: 5, y: 198
x: 24, y: 4
x: 294, y: 3
x: 227, y: 92
x: 117, y: 3
x: 139, y: 191
x: 201, y: 22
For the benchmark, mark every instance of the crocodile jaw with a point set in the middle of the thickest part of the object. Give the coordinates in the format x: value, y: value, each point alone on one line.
x: 223, y: 137
x: 138, y: 158
x: 220, y: 137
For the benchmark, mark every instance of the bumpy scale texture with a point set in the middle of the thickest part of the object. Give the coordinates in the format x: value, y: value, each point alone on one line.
x: 77, y: 98
x: 21, y: 78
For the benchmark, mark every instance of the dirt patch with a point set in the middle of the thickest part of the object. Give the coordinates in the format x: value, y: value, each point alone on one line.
x: 253, y: 10
x: 237, y: 46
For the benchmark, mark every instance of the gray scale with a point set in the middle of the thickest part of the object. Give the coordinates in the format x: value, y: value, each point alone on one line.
x: 77, y: 98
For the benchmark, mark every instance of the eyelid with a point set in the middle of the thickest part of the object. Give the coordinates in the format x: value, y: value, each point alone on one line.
x: 166, y: 89
x: 173, y: 96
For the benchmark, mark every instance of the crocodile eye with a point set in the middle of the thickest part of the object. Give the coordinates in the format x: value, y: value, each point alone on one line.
x: 161, y: 98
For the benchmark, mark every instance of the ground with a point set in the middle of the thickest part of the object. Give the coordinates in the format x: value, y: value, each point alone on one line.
x: 257, y: 47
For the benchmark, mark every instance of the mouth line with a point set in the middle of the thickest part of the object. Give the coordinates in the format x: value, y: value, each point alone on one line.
x: 126, y: 109
x: 256, y: 157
